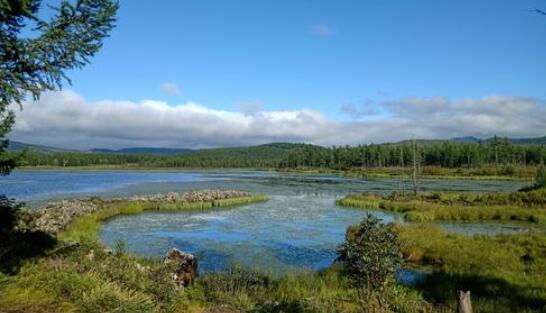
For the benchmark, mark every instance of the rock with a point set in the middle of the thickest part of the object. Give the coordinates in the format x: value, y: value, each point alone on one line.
x: 56, y: 216
x: 184, y: 264
x: 193, y: 196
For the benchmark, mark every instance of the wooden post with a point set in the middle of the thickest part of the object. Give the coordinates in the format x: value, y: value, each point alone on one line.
x: 465, y: 306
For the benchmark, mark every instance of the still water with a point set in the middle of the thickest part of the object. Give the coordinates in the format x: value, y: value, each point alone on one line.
x: 299, y: 228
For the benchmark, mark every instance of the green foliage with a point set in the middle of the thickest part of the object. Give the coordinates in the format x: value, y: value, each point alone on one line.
x: 371, y: 255
x: 505, y: 273
x: 540, y: 178
x: 17, y: 243
x: 85, y: 278
x: 262, y: 156
x: 450, y: 159
x: 527, y: 206
x: 445, y: 154
x: 8, y: 217
x: 32, y: 65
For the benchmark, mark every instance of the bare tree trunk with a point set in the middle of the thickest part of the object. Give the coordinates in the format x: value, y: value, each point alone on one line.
x: 415, y: 183
x: 465, y: 306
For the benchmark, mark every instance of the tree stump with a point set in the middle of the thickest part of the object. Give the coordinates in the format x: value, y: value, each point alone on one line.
x: 185, y: 266
x: 465, y: 305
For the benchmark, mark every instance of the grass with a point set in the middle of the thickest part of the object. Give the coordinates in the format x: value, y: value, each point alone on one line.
x: 79, y: 275
x: 505, y: 273
x: 87, y: 279
x: 529, y: 206
x: 86, y: 228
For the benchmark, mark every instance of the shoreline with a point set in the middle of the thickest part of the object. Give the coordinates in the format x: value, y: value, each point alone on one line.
x: 354, y: 173
x: 80, y: 219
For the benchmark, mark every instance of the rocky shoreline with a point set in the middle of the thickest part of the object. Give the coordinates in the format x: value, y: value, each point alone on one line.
x: 54, y: 217
x: 192, y: 196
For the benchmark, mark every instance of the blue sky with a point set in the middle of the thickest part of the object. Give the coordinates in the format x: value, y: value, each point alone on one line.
x: 221, y: 53
x: 344, y: 59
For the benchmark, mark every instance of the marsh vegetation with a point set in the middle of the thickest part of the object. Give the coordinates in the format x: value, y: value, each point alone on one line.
x: 78, y: 273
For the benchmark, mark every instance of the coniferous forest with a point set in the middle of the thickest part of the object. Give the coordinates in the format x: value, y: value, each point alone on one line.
x: 446, y: 154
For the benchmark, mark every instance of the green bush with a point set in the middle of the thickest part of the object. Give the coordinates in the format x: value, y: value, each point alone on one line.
x: 540, y: 178
x: 371, y: 255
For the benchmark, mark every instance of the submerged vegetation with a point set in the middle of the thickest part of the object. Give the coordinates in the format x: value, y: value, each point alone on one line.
x: 86, y: 227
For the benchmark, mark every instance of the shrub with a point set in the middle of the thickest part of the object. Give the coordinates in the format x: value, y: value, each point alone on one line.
x: 371, y: 255
x: 540, y: 178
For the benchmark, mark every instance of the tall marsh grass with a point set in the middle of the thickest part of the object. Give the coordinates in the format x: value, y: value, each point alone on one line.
x: 527, y: 206
x: 505, y: 273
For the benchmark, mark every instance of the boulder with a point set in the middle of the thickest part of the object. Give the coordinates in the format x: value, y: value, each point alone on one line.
x: 184, y: 264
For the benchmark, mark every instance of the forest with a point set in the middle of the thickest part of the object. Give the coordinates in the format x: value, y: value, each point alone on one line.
x: 446, y: 154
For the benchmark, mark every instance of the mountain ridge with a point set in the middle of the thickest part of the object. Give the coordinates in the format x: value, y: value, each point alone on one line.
x: 19, y: 146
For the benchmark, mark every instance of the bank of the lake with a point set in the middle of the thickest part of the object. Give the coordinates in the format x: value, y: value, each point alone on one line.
x: 522, y: 173
x: 85, y: 277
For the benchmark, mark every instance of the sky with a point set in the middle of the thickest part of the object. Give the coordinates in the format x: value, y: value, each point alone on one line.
x: 207, y: 73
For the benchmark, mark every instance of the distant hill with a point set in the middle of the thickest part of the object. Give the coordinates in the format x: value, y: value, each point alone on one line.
x: 472, y: 139
x: 144, y: 150
x: 527, y: 141
x: 19, y: 146
x: 517, y: 141
x: 269, y: 151
x: 469, y: 139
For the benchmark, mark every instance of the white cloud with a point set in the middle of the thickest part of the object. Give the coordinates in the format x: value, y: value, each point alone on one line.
x: 367, y: 108
x: 321, y: 30
x: 250, y: 107
x: 170, y: 88
x: 66, y: 119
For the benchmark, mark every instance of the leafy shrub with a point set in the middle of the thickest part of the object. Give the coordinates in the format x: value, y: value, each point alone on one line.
x: 371, y: 255
x: 540, y: 178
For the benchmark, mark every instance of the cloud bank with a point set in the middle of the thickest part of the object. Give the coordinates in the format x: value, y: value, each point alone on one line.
x: 65, y: 119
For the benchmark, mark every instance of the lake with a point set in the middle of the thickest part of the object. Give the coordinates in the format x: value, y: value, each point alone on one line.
x: 299, y: 228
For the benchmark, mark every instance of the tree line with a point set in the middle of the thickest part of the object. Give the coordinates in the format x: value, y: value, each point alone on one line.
x: 448, y: 154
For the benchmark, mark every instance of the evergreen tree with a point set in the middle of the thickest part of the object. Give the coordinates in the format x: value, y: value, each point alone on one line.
x: 32, y: 65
